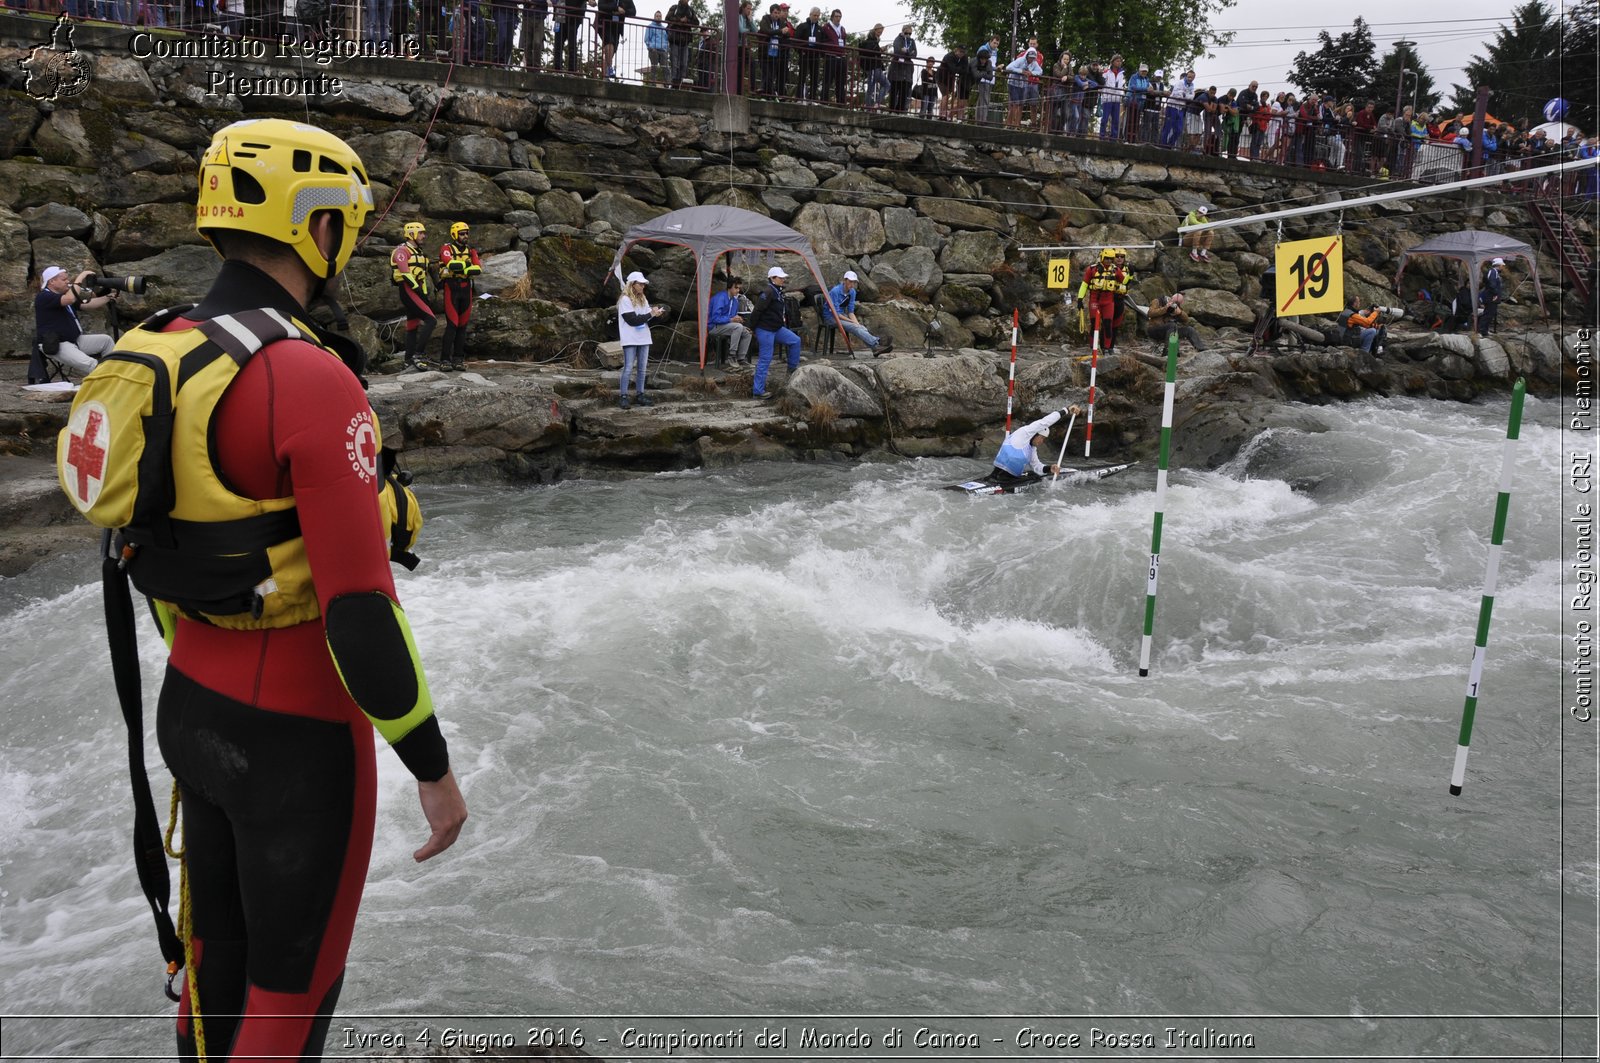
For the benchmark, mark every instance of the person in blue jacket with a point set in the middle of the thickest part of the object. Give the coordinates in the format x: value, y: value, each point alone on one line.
x: 723, y: 318
x: 844, y: 297
x: 1018, y: 460
x: 771, y: 322
x: 655, y: 46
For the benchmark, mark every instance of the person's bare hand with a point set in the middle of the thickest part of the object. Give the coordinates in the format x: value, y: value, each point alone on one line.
x: 446, y: 811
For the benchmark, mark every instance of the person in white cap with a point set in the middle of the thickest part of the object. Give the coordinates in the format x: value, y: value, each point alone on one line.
x: 1494, y: 292
x: 844, y: 298
x: 55, y: 319
x: 1138, y: 87
x: 1199, y: 241
x: 771, y: 322
x: 634, y: 314
x: 1177, y: 110
x: 1022, y: 81
x: 1150, y: 117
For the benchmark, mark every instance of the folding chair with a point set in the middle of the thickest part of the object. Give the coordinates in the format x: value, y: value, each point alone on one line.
x: 44, y: 368
x: 827, y: 331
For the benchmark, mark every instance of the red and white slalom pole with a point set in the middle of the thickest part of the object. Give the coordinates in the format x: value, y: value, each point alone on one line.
x: 1011, y: 380
x: 1094, y: 366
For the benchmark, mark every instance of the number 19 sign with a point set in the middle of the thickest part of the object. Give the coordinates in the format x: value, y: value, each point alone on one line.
x: 1310, y: 276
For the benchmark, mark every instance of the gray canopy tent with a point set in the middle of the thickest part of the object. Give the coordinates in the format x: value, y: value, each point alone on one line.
x: 1474, y: 247
x: 711, y: 232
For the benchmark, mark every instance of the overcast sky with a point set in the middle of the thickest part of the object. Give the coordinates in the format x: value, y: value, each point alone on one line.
x: 1270, y: 32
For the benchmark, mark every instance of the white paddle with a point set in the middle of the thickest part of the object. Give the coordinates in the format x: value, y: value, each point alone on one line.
x: 1062, y: 456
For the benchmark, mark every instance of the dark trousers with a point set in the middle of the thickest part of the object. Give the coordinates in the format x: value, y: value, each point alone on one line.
x: 566, y: 45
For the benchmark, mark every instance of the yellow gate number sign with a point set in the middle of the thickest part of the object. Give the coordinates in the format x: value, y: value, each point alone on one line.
x: 1058, y: 273
x: 1310, y: 276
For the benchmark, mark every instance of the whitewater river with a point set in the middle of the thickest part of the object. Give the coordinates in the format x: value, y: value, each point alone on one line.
x: 754, y: 745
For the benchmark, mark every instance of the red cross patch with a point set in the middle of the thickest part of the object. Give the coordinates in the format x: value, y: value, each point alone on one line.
x: 88, y: 439
x: 361, y: 447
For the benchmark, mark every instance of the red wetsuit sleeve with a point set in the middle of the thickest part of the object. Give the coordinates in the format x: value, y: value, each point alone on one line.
x: 321, y: 446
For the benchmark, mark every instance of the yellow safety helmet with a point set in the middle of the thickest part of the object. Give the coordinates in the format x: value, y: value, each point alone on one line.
x: 269, y: 175
x: 459, y: 229
x: 414, y: 230
x: 1122, y: 252
x: 1109, y: 252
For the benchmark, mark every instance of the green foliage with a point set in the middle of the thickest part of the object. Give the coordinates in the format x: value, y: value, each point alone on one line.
x: 1522, y: 68
x: 1168, y: 34
x: 1342, y: 67
x: 1386, y: 81
x: 1580, y: 64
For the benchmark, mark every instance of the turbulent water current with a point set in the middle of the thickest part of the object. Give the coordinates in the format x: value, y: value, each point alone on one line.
x: 748, y: 746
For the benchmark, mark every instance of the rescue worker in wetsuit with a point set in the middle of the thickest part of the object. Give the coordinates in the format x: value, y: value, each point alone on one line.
x: 458, y: 266
x: 1100, y: 284
x: 408, y: 267
x: 1119, y: 296
x: 266, y: 715
x: 1018, y: 459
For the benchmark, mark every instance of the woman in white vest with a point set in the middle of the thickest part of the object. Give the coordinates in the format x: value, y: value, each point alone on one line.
x: 634, y: 314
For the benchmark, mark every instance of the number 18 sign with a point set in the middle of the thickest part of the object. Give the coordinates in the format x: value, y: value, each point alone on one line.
x: 1310, y: 276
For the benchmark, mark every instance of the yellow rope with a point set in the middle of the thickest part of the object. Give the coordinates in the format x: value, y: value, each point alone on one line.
x: 185, y: 929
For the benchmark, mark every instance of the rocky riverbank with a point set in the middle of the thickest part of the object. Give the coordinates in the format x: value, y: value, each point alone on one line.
x: 551, y: 172
x: 540, y: 422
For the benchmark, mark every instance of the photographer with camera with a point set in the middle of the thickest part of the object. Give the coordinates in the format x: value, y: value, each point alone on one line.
x: 1366, y: 328
x: 55, y: 318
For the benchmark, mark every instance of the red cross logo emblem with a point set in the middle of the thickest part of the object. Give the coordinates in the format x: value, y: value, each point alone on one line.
x: 88, y: 437
x: 362, y: 447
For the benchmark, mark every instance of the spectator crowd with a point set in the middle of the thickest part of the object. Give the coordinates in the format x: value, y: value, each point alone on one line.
x: 815, y: 57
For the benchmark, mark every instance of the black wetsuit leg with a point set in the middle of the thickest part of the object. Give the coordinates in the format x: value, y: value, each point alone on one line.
x: 277, y: 821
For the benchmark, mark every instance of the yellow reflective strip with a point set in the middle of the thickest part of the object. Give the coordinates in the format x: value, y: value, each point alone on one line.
x: 397, y: 728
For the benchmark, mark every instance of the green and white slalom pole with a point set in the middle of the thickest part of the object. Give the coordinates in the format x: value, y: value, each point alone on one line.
x: 1154, y: 571
x: 1490, y: 578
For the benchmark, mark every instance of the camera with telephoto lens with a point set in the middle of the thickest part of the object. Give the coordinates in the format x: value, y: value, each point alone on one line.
x: 105, y: 284
x: 1389, y: 314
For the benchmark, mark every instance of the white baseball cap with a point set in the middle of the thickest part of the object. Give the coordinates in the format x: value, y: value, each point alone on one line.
x: 50, y: 273
x: 777, y: 271
x: 1496, y: 262
x: 850, y: 275
x: 1205, y: 210
x: 637, y: 278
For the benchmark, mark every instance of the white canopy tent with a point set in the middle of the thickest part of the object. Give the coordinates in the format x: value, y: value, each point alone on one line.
x: 714, y: 231
x: 1472, y: 248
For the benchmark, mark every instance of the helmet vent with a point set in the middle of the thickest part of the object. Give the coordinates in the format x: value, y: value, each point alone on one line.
x: 327, y: 165
x: 302, y: 161
x: 246, y: 189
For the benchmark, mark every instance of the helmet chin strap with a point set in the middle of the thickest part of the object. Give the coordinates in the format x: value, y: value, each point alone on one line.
x: 336, y: 231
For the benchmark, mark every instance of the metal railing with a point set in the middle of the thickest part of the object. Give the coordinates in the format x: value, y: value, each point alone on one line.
x: 570, y: 39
